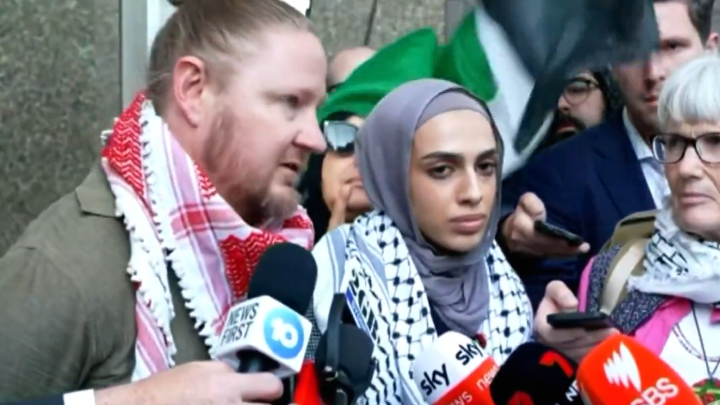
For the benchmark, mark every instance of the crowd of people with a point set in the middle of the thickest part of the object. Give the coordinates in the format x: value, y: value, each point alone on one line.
x: 390, y: 166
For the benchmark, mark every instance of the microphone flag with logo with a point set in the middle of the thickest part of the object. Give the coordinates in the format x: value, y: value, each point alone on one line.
x: 454, y: 370
x: 535, y: 374
x: 266, y: 332
x: 622, y: 371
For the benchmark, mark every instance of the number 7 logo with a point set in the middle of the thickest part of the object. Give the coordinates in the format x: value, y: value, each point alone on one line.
x: 552, y: 358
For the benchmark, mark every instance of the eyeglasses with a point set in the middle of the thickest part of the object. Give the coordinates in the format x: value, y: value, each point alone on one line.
x: 340, y: 136
x: 578, y: 90
x: 670, y: 148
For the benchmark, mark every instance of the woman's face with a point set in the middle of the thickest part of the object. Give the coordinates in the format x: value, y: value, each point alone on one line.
x: 695, y: 185
x: 453, y: 179
x: 340, y: 174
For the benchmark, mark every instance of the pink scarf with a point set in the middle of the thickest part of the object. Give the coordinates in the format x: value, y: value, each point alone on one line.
x: 176, y: 219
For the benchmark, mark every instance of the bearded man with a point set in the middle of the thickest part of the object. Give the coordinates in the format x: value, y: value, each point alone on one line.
x: 588, y: 98
x: 132, y: 272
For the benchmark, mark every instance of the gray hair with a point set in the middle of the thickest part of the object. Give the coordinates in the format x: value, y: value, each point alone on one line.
x: 692, y: 93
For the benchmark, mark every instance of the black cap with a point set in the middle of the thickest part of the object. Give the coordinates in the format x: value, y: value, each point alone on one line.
x: 286, y: 272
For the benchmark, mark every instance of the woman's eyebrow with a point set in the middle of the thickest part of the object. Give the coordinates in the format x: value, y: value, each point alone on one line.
x: 443, y: 155
x: 454, y: 156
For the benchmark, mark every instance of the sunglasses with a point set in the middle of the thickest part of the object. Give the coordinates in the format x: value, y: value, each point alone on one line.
x: 340, y: 136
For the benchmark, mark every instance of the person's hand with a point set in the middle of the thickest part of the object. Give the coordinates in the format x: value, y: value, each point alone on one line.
x: 520, y: 235
x: 574, y: 343
x: 338, y: 214
x: 207, y: 382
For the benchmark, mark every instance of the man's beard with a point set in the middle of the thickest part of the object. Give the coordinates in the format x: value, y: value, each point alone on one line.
x: 567, y: 123
x: 248, y: 190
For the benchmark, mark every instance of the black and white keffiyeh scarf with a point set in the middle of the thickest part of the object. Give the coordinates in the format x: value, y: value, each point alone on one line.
x: 679, y: 264
x: 370, y: 263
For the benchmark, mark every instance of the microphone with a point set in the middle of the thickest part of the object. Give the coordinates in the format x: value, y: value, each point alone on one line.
x: 534, y: 374
x: 622, y: 371
x: 266, y: 332
x: 454, y: 370
x: 342, y: 368
x: 344, y: 362
x: 346, y: 382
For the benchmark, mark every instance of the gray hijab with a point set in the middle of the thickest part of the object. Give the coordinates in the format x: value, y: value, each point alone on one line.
x: 456, y: 285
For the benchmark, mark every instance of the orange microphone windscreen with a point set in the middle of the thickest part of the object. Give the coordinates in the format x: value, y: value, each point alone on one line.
x: 621, y: 371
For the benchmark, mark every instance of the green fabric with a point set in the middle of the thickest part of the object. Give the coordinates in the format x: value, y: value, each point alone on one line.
x: 462, y: 61
x: 416, y: 55
x: 408, y: 58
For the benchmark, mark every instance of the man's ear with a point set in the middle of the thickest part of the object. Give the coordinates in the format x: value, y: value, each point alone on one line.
x: 190, y: 80
x: 712, y: 41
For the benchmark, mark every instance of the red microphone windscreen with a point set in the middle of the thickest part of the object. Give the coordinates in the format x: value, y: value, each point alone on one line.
x: 307, y: 389
x: 621, y: 371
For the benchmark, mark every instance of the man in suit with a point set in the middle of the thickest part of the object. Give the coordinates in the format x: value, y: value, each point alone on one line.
x: 590, y: 182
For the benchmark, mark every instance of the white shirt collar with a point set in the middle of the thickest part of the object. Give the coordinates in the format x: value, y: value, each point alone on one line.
x: 642, y: 150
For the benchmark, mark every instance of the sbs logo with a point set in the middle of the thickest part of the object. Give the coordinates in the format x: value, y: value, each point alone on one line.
x: 621, y: 369
x: 283, y: 333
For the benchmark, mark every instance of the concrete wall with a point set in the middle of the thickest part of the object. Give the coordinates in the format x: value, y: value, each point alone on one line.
x: 345, y: 23
x: 59, y: 86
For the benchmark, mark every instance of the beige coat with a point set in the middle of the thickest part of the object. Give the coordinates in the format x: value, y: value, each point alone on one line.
x: 67, y: 306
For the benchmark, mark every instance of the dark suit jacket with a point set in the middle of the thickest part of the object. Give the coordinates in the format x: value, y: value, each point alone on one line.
x: 588, y: 184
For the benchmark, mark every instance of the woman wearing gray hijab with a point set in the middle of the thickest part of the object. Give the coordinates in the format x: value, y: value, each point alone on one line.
x: 424, y: 262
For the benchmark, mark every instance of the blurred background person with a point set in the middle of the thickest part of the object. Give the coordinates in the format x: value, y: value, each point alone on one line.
x: 332, y: 188
x: 588, y: 99
x: 344, y: 62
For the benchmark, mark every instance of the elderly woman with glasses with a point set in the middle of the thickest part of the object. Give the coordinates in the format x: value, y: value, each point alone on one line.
x: 662, y: 286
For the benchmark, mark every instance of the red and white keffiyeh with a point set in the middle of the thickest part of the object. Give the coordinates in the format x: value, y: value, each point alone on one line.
x: 176, y: 220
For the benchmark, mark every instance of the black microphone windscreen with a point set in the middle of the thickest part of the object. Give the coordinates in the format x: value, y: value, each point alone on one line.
x: 286, y: 272
x: 355, y: 358
x: 537, y: 372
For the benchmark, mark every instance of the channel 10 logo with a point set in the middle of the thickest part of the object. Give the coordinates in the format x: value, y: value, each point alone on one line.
x: 284, y: 333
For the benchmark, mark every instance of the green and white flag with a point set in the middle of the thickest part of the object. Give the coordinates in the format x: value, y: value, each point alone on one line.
x: 518, y: 54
